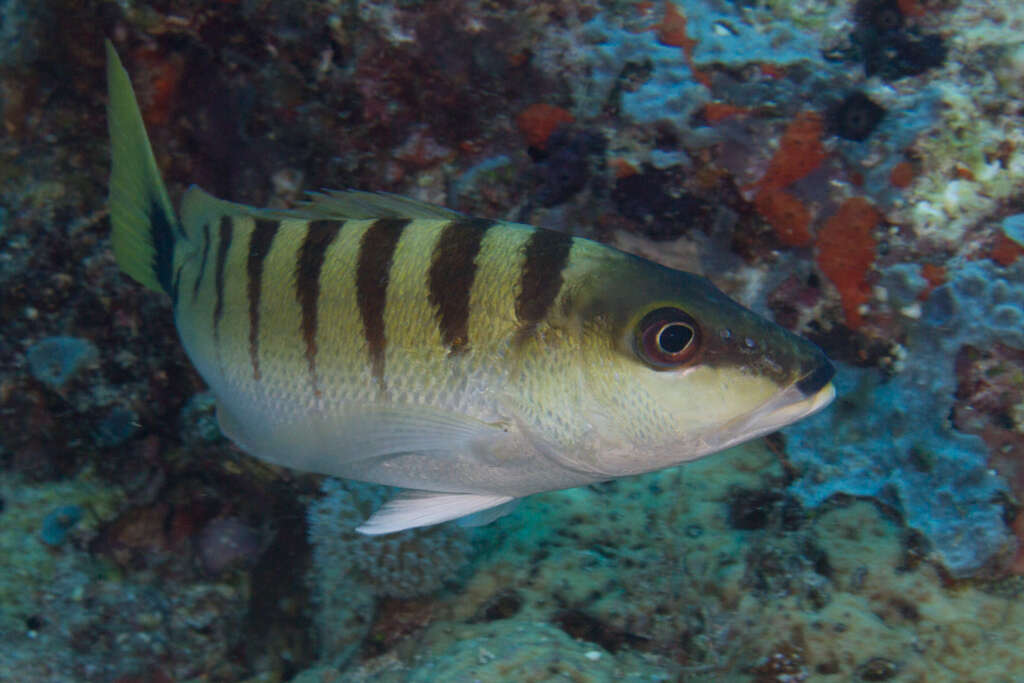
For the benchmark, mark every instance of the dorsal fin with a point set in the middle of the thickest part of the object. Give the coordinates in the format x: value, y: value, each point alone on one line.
x: 199, y: 207
x: 349, y: 204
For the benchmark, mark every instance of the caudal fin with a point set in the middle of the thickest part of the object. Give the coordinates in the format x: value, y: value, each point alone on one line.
x: 144, y: 223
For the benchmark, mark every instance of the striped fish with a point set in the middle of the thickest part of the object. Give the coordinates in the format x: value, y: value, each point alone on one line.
x: 470, y: 361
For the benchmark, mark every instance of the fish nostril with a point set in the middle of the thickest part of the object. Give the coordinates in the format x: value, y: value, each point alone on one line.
x: 817, y: 379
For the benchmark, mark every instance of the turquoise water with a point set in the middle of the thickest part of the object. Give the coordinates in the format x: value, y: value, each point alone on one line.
x: 852, y: 171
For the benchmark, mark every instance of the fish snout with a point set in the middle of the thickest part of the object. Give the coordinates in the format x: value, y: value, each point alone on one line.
x: 817, y: 378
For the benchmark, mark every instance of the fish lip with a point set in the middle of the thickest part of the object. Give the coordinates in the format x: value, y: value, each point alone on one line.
x: 817, y: 379
x: 788, y: 406
x: 792, y: 404
x: 819, y: 399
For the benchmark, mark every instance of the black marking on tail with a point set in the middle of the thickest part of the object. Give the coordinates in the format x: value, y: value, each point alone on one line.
x: 373, y: 272
x: 161, y: 234
x: 319, y: 236
x: 259, y: 246
x: 176, y: 287
x: 546, y: 256
x: 223, y: 244
x: 202, y: 264
x: 451, y: 275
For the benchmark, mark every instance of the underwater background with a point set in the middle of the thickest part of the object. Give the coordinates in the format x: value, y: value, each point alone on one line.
x: 853, y: 170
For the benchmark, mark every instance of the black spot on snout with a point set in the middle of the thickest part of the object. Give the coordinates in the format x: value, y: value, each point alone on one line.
x: 816, y: 380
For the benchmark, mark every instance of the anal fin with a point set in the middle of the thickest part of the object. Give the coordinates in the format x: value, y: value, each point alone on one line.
x: 485, y: 517
x: 412, y: 509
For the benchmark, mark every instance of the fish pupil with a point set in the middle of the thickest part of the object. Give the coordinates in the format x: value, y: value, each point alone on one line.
x: 667, y: 338
x: 674, y: 337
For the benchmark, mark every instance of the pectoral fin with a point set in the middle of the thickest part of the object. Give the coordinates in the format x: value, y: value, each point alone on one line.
x: 329, y: 444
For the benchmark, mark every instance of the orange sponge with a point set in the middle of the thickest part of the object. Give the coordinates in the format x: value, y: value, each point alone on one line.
x: 846, y: 250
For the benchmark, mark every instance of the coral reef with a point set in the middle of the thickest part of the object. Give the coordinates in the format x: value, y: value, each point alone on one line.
x: 68, y: 615
x: 855, y: 117
x: 853, y: 169
x: 403, y: 565
x: 56, y: 360
x: 902, y: 448
x: 349, y: 569
x: 698, y: 575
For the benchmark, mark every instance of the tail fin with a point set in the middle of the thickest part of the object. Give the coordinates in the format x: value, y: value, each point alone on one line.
x: 144, y: 224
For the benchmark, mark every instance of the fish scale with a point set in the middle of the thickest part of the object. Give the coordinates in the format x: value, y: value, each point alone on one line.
x: 413, y: 327
x: 468, y: 360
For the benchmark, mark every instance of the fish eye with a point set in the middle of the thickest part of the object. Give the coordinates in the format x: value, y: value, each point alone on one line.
x: 667, y: 338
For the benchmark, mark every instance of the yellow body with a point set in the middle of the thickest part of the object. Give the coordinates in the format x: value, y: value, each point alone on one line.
x: 373, y: 337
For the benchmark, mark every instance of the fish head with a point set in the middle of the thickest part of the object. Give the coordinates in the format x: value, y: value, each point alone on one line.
x: 687, y: 371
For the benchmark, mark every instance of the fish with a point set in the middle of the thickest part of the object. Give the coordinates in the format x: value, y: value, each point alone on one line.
x: 469, y: 362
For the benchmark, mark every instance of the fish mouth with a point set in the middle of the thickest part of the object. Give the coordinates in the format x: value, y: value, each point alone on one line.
x: 792, y: 404
x: 805, y: 397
